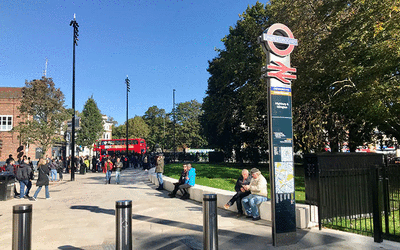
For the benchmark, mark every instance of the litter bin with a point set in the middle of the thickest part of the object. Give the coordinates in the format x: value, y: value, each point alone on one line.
x: 6, y: 186
x: 82, y: 169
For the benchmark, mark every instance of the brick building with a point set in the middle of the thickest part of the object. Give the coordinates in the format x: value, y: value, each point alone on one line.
x: 10, y: 99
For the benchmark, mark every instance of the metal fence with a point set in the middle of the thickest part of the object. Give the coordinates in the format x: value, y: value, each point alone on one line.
x: 355, y: 192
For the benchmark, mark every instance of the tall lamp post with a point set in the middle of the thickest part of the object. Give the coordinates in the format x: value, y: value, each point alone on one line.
x: 173, y: 111
x: 127, y: 91
x: 74, y: 24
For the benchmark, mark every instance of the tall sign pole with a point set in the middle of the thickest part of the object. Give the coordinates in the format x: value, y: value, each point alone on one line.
x: 74, y: 24
x: 278, y: 42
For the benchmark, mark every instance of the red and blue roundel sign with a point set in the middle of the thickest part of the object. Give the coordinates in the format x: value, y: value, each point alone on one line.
x: 269, y: 39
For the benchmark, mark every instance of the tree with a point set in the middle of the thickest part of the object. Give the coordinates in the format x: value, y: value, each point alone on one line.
x: 91, y: 127
x: 159, y: 126
x: 42, y: 106
x: 347, y: 61
x: 188, y: 130
x: 137, y: 129
x: 235, y: 108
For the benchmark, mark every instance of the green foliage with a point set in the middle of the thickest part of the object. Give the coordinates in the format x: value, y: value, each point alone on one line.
x: 159, y: 123
x: 91, y: 124
x: 137, y: 128
x: 348, y: 75
x: 42, y: 106
x: 347, y: 63
x: 235, y: 107
x: 188, y: 130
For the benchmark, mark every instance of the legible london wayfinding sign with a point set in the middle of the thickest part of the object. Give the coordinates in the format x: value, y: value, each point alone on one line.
x: 278, y: 42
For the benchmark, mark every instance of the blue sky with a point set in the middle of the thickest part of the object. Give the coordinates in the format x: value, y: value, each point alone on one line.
x: 161, y: 45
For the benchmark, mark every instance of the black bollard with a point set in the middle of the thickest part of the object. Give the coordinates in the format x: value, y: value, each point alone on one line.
x: 210, y: 225
x: 124, y: 225
x: 22, y: 227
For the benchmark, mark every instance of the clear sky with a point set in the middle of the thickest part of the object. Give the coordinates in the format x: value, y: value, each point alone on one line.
x: 161, y: 45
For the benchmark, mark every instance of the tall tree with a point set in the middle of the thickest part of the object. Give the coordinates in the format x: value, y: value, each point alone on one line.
x: 159, y: 123
x: 188, y: 130
x: 91, y: 127
x: 235, y: 107
x: 42, y: 106
x: 137, y: 129
x: 348, y: 67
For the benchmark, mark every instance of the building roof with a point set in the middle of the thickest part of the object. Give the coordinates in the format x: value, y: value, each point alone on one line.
x: 10, y: 92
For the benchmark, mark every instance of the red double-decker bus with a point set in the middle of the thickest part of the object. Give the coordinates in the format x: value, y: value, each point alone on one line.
x: 118, y: 147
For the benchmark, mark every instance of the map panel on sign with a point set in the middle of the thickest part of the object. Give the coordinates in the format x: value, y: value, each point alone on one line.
x: 284, y: 177
x: 286, y: 154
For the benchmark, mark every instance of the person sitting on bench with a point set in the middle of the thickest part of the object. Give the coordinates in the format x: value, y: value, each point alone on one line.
x: 181, y: 181
x: 189, y: 182
x: 243, y: 180
x: 259, y: 193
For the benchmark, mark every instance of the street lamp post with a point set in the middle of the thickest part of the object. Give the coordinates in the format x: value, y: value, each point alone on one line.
x: 127, y: 91
x: 173, y: 110
x: 74, y: 24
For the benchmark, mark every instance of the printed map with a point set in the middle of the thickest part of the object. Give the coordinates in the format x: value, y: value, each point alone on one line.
x: 284, y: 177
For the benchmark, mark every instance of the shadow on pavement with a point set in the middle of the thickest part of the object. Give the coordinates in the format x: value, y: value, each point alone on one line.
x: 95, y: 209
x: 304, y: 238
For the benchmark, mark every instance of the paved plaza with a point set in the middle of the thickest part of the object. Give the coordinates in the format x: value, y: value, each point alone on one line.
x: 81, y: 215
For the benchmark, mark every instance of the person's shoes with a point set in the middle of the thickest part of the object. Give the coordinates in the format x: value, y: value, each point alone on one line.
x: 185, y: 196
x: 226, y: 206
x: 18, y: 197
x: 171, y: 195
x: 48, y: 198
x: 27, y: 197
x: 32, y: 199
x: 257, y: 218
x: 239, y: 215
x: 249, y: 216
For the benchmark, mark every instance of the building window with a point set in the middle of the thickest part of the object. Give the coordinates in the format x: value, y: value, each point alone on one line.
x: 6, y: 122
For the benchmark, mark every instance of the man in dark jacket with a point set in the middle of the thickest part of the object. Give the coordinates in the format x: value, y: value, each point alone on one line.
x: 23, y: 175
x: 240, y: 192
x: 181, y: 181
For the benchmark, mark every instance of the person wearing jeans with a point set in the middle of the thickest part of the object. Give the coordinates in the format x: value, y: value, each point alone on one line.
x: 23, y: 174
x: 53, y: 167
x: 160, y: 171
x: 43, y: 179
x: 108, y: 166
x: 259, y: 193
x: 118, y: 166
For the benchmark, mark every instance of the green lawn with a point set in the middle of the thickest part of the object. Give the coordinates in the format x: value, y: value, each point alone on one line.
x: 224, y: 176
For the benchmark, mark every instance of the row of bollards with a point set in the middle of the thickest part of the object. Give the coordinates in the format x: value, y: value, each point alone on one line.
x: 22, y: 225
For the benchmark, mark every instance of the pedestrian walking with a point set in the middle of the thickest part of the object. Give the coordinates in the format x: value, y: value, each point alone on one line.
x: 24, y: 173
x: 118, y: 167
x: 43, y: 179
x: 108, y: 166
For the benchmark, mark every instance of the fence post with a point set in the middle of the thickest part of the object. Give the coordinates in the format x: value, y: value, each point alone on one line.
x: 123, y: 217
x: 210, y: 225
x: 377, y: 220
x: 22, y: 227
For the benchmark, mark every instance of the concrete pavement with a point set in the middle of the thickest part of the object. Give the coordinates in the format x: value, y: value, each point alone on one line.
x: 81, y: 215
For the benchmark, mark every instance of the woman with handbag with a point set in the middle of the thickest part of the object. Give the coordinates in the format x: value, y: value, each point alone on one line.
x: 43, y: 179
